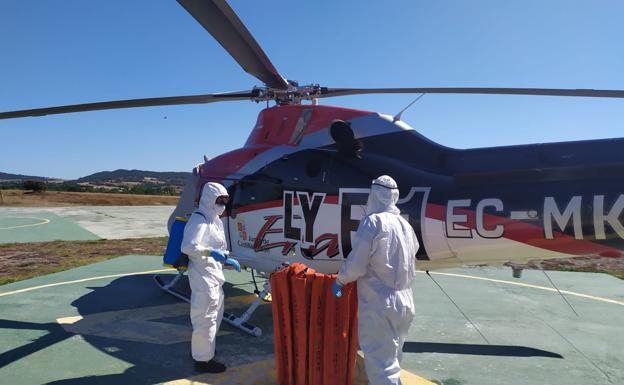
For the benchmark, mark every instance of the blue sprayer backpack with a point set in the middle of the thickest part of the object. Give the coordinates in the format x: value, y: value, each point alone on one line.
x: 174, y: 257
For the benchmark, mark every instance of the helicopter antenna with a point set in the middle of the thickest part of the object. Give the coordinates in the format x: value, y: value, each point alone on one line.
x: 558, y: 291
x: 397, y: 117
x: 458, y: 308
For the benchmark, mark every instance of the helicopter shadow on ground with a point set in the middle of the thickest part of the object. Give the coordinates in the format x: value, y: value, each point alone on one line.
x: 476, y: 349
x: 55, y: 334
x: 134, y: 321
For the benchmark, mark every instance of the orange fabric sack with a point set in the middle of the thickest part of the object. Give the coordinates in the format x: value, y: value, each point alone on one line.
x: 300, y: 304
x: 315, y: 332
x: 353, y: 329
x: 281, y: 326
x: 316, y: 327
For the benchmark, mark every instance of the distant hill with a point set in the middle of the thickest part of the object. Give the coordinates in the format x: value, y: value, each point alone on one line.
x: 173, y: 178
x: 18, y: 177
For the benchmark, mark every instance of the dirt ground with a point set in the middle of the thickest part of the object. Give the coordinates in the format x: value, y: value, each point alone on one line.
x: 20, y: 261
x: 613, y: 266
x: 20, y: 198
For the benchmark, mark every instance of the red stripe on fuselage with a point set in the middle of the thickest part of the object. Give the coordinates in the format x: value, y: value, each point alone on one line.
x: 259, y: 206
x: 527, y: 233
x: 329, y: 199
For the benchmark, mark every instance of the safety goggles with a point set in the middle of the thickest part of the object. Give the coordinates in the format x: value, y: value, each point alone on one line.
x: 383, y: 185
x: 223, y: 200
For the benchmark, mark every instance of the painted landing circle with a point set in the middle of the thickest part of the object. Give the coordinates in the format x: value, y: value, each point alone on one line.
x: 9, y: 223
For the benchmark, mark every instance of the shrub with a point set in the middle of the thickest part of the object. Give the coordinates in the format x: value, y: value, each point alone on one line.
x: 35, y: 185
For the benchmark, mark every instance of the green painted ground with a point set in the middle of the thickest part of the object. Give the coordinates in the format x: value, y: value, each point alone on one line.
x: 126, y: 330
x: 27, y: 226
x: 530, y: 335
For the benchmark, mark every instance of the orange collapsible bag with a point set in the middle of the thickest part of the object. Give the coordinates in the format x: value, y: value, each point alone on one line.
x: 315, y: 332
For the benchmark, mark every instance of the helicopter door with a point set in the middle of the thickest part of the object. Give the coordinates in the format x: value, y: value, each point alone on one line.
x: 309, y: 216
x: 256, y: 207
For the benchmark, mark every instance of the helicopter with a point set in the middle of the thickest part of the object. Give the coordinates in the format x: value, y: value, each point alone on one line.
x: 299, y: 184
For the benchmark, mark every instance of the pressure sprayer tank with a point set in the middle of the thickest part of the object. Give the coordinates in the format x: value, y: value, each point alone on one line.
x: 173, y: 253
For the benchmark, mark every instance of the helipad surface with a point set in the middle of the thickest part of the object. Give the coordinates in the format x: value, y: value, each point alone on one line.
x: 41, y: 224
x: 98, y: 325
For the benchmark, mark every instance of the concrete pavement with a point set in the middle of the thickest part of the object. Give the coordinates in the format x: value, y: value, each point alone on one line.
x: 98, y: 325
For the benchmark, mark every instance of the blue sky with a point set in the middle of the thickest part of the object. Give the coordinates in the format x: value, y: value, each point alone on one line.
x: 72, y: 51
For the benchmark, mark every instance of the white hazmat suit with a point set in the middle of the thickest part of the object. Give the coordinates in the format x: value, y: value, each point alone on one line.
x: 204, y: 232
x: 383, y: 263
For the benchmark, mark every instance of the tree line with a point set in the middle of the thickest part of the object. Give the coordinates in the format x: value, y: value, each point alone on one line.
x: 41, y: 186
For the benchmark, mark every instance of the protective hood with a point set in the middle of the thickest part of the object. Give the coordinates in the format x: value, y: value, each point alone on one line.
x: 383, y: 196
x: 210, y: 193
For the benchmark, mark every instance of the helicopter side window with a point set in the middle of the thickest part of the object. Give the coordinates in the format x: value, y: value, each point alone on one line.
x: 242, y: 196
x: 251, y: 192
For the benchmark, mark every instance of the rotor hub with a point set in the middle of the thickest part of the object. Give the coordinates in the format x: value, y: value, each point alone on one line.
x: 295, y: 94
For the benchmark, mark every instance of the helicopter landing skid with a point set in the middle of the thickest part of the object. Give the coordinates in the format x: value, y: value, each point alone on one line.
x: 238, y: 322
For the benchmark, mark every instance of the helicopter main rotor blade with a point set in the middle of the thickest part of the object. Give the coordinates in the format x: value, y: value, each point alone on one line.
x: 218, y: 18
x: 149, y: 102
x: 331, y: 92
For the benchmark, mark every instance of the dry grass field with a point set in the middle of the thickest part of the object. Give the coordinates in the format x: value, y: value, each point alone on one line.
x: 20, y: 198
x: 27, y: 260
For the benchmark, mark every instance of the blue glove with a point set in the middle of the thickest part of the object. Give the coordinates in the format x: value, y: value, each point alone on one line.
x: 233, y: 262
x: 337, y: 289
x: 218, y: 255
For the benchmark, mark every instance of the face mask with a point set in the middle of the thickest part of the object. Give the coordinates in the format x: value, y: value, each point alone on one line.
x: 369, y: 205
x: 220, y: 209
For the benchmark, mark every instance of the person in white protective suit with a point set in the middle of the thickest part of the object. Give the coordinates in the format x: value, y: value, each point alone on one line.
x: 383, y: 261
x: 204, y: 243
